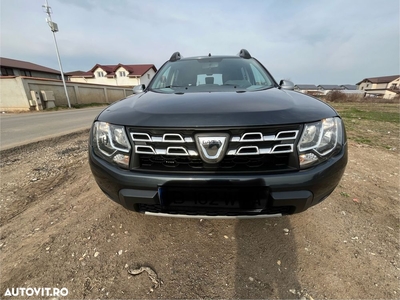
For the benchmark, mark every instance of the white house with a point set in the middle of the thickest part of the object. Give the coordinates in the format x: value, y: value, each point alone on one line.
x: 386, y: 87
x: 119, y: 75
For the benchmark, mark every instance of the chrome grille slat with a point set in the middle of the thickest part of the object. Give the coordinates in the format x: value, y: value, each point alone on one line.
x: 170, y: 138
x: 290, y: 135
x: 179, y: 151
x: 283, y: 147
x: 259, y: 139
x: 269, y: 138
x: 161, y: 151
x: 144, y: 149
x: 248, y: 150
x: 136, y: 137
x: 165, y: 138
x: 274, y: 150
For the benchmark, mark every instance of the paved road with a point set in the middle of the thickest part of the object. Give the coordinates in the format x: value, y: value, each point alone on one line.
x: 19, y: 129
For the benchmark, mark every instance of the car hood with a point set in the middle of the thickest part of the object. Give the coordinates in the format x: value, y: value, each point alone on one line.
x: 216, y: 109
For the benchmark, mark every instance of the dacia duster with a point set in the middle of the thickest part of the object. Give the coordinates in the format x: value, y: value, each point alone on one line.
x: 216, y: 136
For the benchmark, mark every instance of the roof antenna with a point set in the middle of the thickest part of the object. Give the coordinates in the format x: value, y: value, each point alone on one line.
x: 209, y: 54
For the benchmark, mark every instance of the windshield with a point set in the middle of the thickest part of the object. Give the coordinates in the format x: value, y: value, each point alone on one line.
x: 212, y: 74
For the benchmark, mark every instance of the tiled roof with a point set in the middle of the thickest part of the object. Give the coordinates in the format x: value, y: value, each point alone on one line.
x: 383, y: 79
x: 79, y: 74
x: 138, y: 70
x: 24, y: 65
x: 134, y: 70
x: 106, y: 68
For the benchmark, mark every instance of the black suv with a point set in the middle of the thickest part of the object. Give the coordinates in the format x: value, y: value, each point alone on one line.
x: 216, y: 136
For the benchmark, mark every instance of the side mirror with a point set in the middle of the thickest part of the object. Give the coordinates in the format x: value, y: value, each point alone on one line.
x: 139, y: 89
x: 286, y: 85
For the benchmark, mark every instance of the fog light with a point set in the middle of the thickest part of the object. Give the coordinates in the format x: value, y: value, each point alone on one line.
x: 122, y: 160
x: 307, y: 159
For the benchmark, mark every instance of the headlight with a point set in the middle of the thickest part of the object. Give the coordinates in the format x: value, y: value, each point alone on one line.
x: 111, y: 143
x: 319, y: 141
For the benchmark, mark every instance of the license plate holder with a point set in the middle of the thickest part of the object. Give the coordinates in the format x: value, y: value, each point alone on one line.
x: 248, y: 198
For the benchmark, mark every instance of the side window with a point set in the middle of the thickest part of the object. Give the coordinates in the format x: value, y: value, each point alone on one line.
x: 245, y: 75
x: 175, y: 78
x: 161, y: 81
x: 258, y: 77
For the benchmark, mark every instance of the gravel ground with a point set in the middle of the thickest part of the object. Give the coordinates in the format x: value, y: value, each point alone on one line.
x: 58, y: 230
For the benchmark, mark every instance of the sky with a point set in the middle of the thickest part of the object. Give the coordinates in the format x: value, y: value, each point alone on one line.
x: 305, y: 41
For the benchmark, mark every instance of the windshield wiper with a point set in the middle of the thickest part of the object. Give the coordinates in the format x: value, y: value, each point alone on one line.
x: 173, y: 86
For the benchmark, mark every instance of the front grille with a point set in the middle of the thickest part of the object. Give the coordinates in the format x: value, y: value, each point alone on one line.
x: 267, y: 149
x: 248, y: 163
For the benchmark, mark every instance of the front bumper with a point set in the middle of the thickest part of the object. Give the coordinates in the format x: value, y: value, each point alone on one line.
x: 285, y: 193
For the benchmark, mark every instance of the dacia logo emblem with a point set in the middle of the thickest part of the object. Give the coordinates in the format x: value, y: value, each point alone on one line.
x: 212, y: 147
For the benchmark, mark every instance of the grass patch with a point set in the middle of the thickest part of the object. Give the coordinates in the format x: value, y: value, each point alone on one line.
x: 363, y: 140
x: 343, y: 194
x: 382, y: 116
x: 374, y: 124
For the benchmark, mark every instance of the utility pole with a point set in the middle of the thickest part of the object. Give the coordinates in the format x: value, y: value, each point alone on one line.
x: 54, y: 29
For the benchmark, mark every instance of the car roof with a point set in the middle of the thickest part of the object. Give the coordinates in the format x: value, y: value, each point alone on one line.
x: 209, y: 56
x: 243, y: 53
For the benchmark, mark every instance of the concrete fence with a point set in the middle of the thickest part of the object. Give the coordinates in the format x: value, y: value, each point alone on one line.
x: 16, y: 92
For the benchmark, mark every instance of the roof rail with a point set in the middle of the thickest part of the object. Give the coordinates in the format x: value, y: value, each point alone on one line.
x: 176, y: 56
x: 244, y: 53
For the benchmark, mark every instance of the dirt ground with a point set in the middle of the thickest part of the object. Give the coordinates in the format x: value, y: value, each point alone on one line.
x: 59, y: 230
